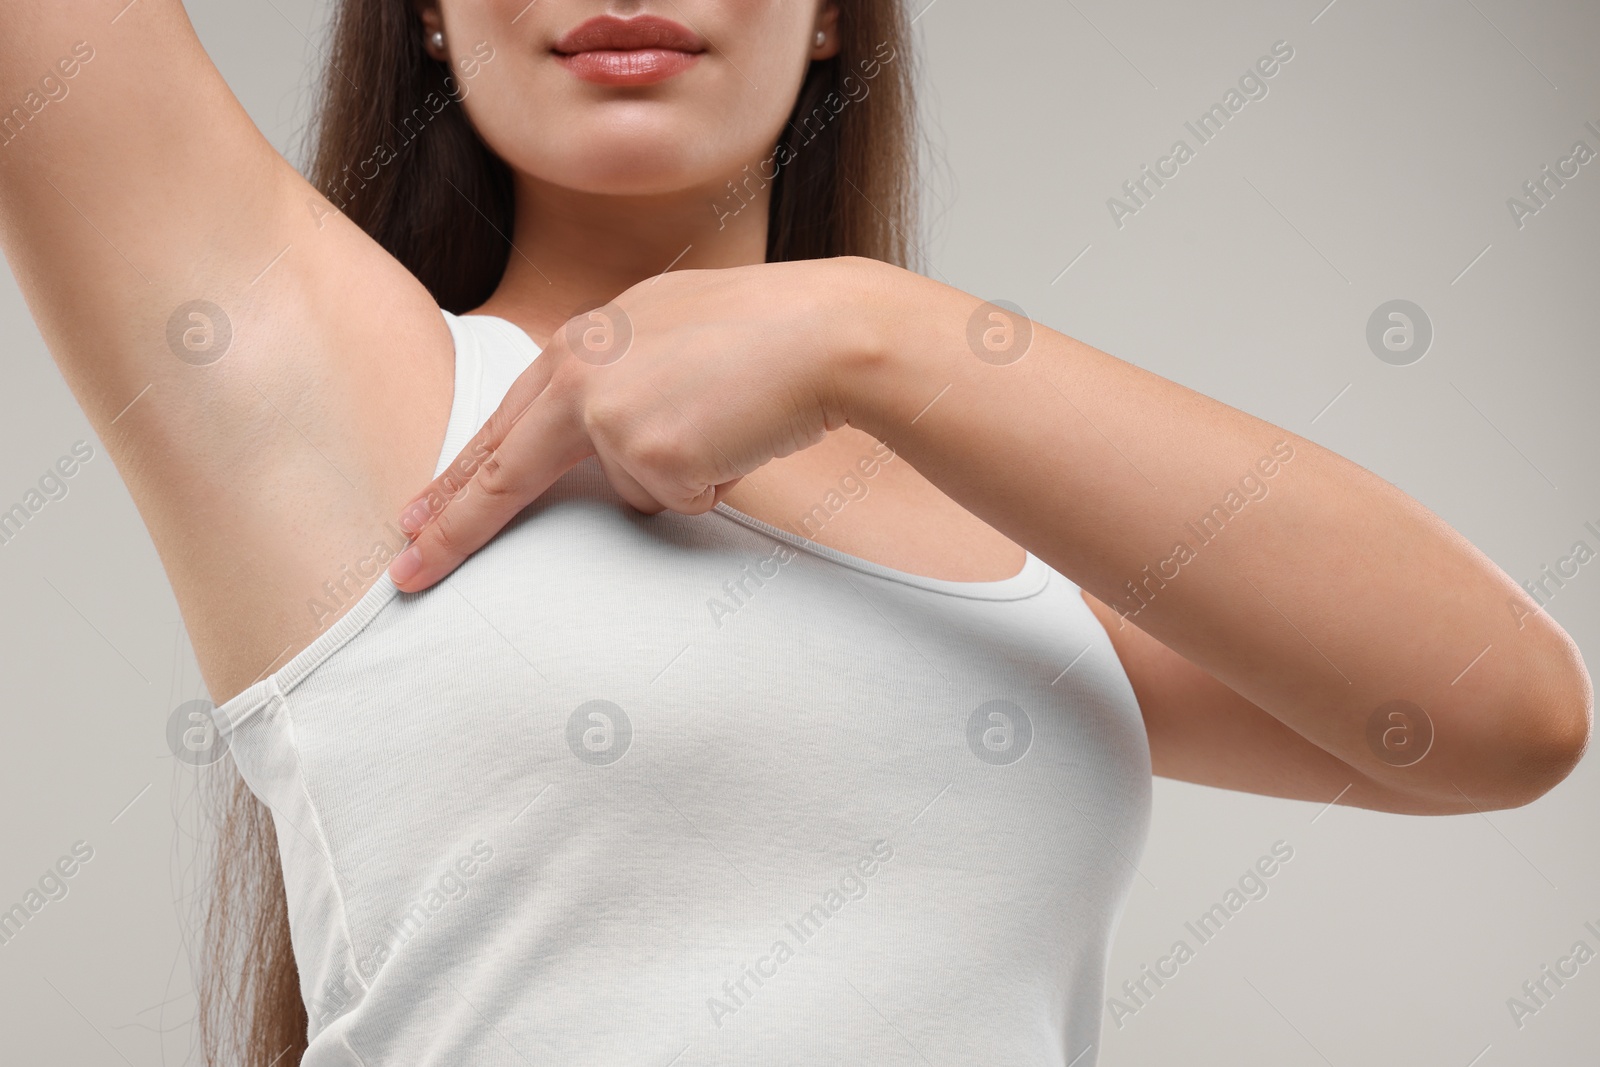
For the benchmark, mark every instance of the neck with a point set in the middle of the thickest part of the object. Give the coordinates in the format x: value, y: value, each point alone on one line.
x: 574, y: 251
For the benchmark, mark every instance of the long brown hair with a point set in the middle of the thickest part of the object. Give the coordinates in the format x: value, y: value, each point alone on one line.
x: 393, y: 150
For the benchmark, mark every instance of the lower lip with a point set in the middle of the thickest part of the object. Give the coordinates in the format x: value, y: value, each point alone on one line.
x: 640, y: 66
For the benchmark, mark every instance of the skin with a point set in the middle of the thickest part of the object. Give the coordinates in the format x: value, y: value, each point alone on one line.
x: 267, y: 472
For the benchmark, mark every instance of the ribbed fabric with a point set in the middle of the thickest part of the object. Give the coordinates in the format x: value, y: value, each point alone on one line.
x: 681, y: 790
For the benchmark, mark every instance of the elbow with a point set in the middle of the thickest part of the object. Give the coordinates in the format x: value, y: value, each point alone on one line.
x: 1542, y: 762
x: 1545, y: 739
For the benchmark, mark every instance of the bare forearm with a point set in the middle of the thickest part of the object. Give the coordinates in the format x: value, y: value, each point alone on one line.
x: 1303, y: 582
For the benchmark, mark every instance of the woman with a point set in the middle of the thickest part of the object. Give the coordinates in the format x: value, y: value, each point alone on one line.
x: 822, y: 625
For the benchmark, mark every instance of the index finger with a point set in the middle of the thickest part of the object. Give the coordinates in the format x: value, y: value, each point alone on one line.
x: 433, y: 497
x: 525, y: 445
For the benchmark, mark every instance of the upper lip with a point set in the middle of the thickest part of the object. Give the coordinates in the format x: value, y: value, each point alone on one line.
x: 607, y: 33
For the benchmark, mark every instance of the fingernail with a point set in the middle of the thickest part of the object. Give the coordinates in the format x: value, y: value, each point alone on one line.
x: 415, y: 517
x: 406, y: 565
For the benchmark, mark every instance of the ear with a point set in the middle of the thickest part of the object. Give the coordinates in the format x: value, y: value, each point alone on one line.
x: 432, y: 20
x: 828, y: 23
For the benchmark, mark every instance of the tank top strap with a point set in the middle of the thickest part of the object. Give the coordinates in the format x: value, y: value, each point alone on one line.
x: 490, y: 353
x: 504, y: 351
x: 466, y: 409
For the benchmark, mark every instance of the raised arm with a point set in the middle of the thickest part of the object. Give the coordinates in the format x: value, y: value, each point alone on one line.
x: 269, y: 381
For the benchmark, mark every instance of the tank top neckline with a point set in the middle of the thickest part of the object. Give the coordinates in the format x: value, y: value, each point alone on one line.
x: 1028, y: 581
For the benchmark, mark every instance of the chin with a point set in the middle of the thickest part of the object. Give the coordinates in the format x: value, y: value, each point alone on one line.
x: 623, y: 159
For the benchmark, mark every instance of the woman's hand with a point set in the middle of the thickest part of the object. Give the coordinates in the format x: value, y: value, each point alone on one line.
x: 680, y: 386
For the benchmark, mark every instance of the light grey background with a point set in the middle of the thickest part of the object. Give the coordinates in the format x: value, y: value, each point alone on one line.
x: 1377, y: 167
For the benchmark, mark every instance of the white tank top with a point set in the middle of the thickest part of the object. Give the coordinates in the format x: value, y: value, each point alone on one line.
x: 695, y: 790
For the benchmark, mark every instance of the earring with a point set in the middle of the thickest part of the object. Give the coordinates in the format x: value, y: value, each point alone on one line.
x: 821, y: 39
x: 437, y: 39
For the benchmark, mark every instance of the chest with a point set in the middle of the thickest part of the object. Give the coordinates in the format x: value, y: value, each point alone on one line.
x: 854, y: 494
x: 698, y: 650
x: 647, y: 716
